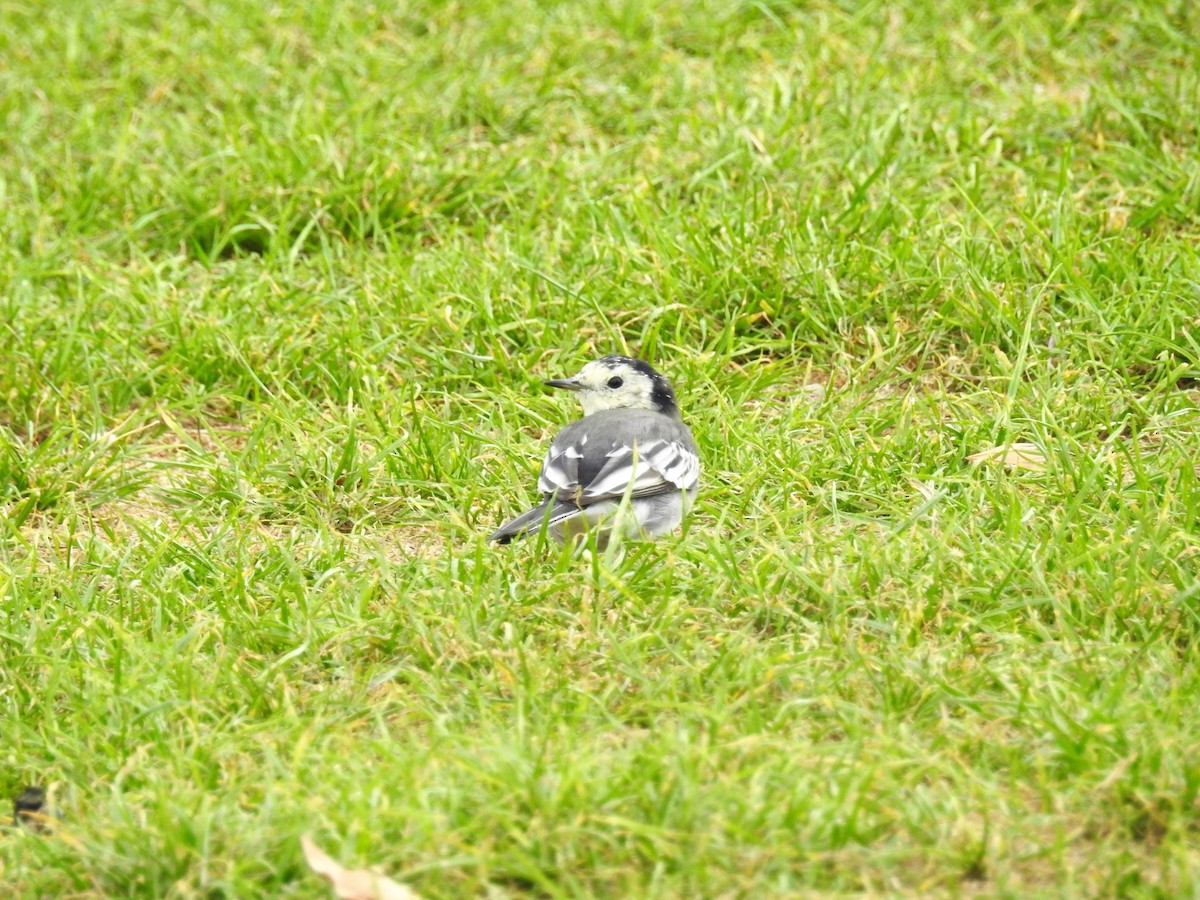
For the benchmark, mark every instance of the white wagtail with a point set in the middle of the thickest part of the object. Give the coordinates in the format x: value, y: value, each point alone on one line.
x: 630, y: 446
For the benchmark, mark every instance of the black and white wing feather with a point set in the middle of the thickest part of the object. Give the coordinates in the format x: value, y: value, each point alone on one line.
x: 607, y: 456
x: 612, y: 453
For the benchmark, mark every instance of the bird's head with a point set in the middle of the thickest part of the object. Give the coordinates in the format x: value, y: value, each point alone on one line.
x: 619, y: 382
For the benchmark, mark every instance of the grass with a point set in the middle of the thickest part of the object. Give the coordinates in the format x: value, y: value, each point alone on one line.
x: 278, y: 284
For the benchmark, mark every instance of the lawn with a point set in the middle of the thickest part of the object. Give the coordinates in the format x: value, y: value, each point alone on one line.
x: 278, y: 287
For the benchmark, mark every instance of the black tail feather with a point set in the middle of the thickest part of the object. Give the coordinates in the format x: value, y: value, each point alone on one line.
x: 549, y: 511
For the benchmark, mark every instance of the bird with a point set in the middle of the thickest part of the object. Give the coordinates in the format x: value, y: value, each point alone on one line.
x: 29, y: 809
x: 629, y: 467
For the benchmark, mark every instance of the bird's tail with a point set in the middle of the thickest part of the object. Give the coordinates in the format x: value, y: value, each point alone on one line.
x: 549, y: 512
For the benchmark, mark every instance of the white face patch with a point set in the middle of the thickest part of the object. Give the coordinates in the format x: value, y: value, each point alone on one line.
x: 619, y: 386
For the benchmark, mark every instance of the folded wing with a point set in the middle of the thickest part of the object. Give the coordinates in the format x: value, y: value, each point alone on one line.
x: 641, y: 468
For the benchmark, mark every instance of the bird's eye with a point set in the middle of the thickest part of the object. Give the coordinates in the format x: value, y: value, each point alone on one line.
x: 615, y: 382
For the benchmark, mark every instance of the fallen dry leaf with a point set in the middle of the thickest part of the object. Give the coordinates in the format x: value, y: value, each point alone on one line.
x: 353, y: 884
x: 1021, y: 455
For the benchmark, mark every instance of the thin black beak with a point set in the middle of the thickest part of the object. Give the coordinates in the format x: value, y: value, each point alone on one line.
x: 567, y: 384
